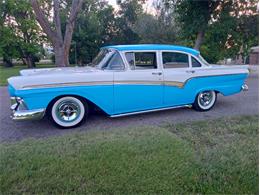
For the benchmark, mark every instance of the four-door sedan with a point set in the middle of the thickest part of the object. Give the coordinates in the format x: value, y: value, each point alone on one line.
x: 124, y: 80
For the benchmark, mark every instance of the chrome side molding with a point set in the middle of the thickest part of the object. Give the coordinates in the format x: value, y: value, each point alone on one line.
x: 152, y: 110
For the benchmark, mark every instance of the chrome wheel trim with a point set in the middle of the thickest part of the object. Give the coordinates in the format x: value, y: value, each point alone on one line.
x: 206, y: 99
x: 68, y: 111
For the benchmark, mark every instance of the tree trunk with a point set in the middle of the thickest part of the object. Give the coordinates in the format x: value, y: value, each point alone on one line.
x: 24, y: 61
x: 61, y: 45
x: 30, y: 61
x: 199, y: 39
x: 60, y: 57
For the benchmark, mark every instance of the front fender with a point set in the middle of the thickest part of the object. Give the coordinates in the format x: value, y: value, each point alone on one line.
x: 101, y: 95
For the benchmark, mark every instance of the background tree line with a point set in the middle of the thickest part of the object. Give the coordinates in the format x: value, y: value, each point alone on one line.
x: 76, y: 29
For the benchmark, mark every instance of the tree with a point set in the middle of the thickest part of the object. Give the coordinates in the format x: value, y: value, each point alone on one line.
x: 20, y: 33
x: 27, y: 32
x: 61, y: 44
x: 127, y: 17
x: 234, y: 33
x: 219, y: 29
x: 94, y: 28
x: 99, y: 25
x: 246, y: 34
x: 6, y: 40
x: 149, y: 27
x: 196, y: 16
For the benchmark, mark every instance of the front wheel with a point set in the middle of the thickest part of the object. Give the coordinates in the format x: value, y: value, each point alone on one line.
x: 68, y: 112
x: 205, y: 100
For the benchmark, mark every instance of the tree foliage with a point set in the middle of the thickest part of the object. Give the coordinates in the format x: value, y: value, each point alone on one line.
x: 95, y: 27
x: 19, y: 32
x: 219, y: 29
x: 158, y: 28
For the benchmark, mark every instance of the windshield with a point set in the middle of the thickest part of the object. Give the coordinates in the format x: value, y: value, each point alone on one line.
x: 101, y: 58
x: 203, y: 60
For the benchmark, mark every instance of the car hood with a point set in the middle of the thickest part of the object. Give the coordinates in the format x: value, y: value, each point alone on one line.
x: 48, y: 77
x: 62, y: 70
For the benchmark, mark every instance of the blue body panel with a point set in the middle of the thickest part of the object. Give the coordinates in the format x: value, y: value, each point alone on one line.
x: 130, y: 98
x: 154, y: 47
x: 101, y: 95
x: 116, y: 99
x: 226, y: 85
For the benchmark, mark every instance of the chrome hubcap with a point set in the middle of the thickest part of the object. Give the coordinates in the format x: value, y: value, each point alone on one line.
x: 68, y: 111
x: 205, y: 98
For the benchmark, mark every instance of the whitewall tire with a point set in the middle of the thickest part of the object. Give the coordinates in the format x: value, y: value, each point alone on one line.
x: 68, y: 112
x: 205, y: 100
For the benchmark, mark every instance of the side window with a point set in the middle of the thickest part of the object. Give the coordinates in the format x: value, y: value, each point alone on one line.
x: 115, y: 62
x: 195, y: 63
x: 141, y: 60
x: 175, y: 60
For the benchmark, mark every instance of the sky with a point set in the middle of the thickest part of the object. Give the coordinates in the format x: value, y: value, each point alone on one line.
x: 147, y: 6
x: 112, y: 2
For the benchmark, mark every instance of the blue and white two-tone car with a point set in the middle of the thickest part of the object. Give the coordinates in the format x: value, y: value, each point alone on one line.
x: 124, y: 80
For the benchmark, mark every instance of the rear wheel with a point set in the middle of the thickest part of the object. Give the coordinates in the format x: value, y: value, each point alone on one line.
x: 68, y: 112
x: 205, y: 100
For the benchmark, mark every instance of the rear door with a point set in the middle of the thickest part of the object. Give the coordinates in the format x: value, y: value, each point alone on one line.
x: 176, y: 70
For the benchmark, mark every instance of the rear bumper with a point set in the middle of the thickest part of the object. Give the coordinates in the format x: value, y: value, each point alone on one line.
x: 20, y: 111
x: 244, y: 87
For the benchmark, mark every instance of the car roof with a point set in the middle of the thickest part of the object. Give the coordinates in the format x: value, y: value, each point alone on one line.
x: 153, y: 47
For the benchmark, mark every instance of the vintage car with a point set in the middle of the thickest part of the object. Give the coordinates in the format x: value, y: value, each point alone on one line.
x: 124, y: 80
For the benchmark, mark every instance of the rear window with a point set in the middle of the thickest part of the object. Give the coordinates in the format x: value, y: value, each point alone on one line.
x: 195, y: 63
x: 175, y: 60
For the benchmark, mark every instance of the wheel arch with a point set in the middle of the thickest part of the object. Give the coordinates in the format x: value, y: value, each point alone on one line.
x: 85, y: 100
x: 207, y: 89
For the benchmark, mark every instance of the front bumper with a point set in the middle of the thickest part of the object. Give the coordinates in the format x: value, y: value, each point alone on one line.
x: 21, y: 112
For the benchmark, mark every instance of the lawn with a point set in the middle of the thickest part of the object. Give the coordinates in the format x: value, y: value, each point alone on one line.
x: 214, y: 156
x: 5, y: 73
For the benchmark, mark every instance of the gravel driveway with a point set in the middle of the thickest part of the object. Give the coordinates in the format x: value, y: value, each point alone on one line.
x: 244, y: 103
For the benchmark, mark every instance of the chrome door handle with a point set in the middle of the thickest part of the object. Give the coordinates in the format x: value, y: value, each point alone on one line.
x: 156, y: 73
x: 190, y: 71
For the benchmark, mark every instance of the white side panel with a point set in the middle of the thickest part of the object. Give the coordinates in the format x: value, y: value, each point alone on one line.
x: 181, y: 74
x: 48, y: 80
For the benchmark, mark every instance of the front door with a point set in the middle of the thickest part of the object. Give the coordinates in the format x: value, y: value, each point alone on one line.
x: 140, y: 87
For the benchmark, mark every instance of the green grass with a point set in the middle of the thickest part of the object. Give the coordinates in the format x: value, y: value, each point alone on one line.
x: 5, y: 73
x: 216, y: 156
